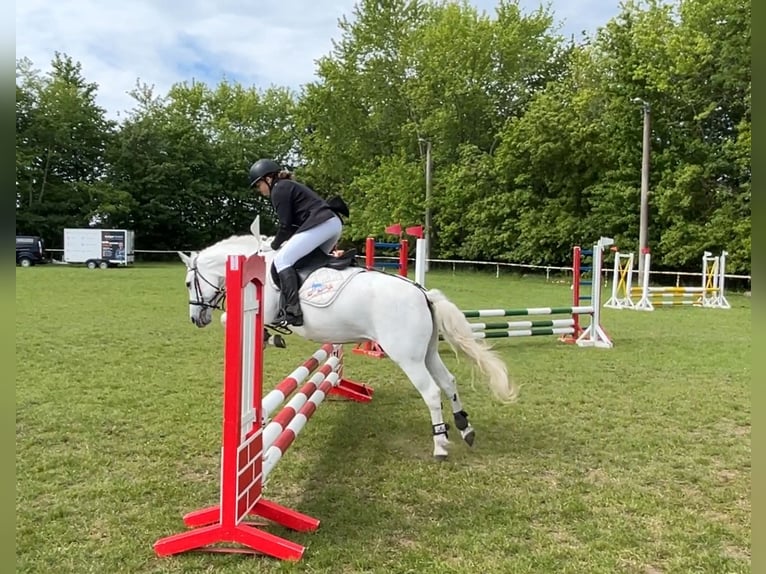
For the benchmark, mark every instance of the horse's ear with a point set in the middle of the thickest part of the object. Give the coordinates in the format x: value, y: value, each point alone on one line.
x: 255, y: 226
x: 185, y: 258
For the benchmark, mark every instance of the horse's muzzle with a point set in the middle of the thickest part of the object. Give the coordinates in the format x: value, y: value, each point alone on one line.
x: 201, y: 320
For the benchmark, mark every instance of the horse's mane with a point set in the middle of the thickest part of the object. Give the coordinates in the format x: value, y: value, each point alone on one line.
x: 235, y: 244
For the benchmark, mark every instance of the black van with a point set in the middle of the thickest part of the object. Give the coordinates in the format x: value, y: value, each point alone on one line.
x: 30, y: 250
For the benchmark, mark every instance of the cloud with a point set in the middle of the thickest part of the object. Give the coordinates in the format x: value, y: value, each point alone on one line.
x: 162, y: 42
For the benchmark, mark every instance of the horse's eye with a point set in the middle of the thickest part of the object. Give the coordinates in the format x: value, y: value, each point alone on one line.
x: 188, y: 284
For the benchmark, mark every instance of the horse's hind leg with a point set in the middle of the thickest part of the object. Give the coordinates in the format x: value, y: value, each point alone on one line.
x: 421, y: 379
x: 446, y: 381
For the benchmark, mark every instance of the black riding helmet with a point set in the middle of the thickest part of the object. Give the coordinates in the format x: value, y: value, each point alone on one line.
x: 261, y: 169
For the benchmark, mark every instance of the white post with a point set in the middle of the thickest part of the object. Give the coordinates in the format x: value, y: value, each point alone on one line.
x: 628, y: 301
x: 709, y: 280
x: 705, y: 257
x: 644, y: 304
x: 613, y: 302
x: 420, y: 262
x: 429, y: 170
x: 723, y: 303
x: 594, y: 335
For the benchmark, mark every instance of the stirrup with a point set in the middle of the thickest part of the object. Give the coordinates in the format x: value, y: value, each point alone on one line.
x: 273, y: 339
x: 280, y: 328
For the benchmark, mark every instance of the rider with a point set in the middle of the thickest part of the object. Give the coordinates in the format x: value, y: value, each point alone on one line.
x: 306, y: 221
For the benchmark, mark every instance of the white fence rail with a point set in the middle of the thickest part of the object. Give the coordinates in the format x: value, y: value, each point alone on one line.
x: 497, y: 265
x: 550, y: 268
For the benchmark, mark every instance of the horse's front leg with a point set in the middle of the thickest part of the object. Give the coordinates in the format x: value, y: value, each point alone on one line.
x: 277, y: 340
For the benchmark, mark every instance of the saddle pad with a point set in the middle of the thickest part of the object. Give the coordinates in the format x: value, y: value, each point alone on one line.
x: 322, y: 287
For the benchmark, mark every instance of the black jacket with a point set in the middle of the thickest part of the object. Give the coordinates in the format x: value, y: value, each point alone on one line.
x: 298, y: 208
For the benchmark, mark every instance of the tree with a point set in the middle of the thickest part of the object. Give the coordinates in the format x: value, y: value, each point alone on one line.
x: 536, y: 142
x: 61, y: 138
x: 404, y: 71
x: 691, y: 61
x: 183, y: 159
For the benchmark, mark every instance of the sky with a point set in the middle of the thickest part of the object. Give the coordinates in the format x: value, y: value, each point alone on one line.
x: 253, y: 42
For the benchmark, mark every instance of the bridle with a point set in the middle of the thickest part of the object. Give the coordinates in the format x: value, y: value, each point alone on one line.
x: 219, y: 298
x: 216, y: 302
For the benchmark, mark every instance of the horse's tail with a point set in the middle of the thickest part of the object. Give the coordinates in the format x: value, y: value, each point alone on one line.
x: 452, y: 323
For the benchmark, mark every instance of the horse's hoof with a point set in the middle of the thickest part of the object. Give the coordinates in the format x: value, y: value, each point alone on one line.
x: 440, y: 457
x: 469, y: 437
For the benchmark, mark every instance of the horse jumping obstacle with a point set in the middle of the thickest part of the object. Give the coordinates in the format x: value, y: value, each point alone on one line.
x: 252, y: 443
x: 371, y: 348
x: 370, y: 245
x: 622, y: 280
x: 710, y: 294
x: 570, y: 329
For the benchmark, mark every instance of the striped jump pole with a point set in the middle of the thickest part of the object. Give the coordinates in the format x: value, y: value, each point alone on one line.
x: 529, y: 311
x: 570, y: 329
x: 280, y: 433
x: 496, y: 330
x: 252, y: 445
x: 523, y: 328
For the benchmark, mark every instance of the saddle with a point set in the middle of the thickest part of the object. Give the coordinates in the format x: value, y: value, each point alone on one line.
x: 317, y: 259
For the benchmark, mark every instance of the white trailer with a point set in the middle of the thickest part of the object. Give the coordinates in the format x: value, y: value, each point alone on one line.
x: 100, y: 248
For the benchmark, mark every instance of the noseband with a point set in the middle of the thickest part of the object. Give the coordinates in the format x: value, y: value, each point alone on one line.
x: 216, y: 302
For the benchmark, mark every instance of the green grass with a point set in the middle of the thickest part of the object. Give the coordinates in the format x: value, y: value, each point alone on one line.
x: 633, y: 459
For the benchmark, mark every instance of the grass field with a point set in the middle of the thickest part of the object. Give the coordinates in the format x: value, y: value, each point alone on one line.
x: 634, y: 459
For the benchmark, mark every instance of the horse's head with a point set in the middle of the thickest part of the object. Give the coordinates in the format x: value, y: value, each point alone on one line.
x: 206, y: 272
x: 205, y: 281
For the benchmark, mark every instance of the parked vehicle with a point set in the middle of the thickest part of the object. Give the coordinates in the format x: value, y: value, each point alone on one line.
x: 30, y: 250
x: 99, y: 248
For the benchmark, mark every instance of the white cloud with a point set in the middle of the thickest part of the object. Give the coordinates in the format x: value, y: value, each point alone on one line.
x: 162, y: 42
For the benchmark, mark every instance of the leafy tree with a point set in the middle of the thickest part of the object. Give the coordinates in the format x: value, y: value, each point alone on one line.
x: 536, y: 141
x: 61, y: 141
x: 183, y: 159
x: 691, y: 62
x: 406, y: 71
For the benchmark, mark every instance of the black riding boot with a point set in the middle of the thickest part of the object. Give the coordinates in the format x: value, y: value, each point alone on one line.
x: 289, y: 303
